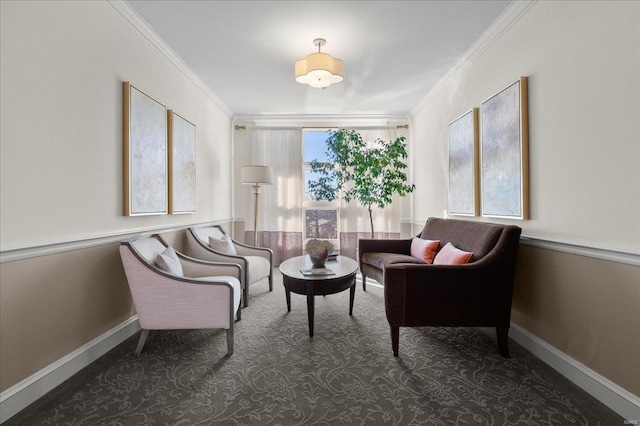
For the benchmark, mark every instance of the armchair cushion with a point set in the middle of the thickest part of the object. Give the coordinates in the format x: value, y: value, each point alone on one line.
x: 168, y: 261
x: 224, y: 244
x: 450, y: 255
x: 424, y: 249
x: 235, y: 283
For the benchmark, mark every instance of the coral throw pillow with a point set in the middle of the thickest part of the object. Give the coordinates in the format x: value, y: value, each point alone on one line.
x: 450, y: 255
x: 424, y: 249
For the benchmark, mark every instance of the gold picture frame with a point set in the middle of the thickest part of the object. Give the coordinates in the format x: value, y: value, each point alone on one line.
x: 182, y: 164
x: 144, y: 153
x: 504, y: 153
x: 464, y: 158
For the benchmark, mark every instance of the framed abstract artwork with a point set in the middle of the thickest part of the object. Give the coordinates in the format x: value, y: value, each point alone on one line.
x: 145, y: 153
x: 463, y: 165
x: 182, y: 164
x: 504, y: 153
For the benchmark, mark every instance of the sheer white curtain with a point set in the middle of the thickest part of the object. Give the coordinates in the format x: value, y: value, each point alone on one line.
x: 280, y: 216
x: 280, y: 204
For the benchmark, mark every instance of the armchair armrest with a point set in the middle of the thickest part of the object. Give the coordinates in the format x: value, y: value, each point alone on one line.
x: 247, y: 250
x: 195, y: 268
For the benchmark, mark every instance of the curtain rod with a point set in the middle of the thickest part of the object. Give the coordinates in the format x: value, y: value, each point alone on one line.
x: 241, y: 127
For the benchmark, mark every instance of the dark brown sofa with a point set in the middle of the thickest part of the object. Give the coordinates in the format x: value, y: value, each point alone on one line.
x: 477, y: 294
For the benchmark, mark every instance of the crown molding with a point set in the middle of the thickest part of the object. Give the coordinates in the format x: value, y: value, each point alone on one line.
x: 122, y: 8
x: 507, y: 18
x: 322, y: 120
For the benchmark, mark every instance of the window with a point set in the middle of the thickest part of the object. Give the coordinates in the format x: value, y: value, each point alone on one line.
x: 321, y: 223
x: 321, y: 217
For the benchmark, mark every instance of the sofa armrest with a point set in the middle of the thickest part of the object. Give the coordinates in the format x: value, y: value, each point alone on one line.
x: 446, y: 295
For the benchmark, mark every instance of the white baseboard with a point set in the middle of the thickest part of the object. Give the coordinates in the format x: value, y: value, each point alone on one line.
x: 22, y: 394
x: 613, y: 396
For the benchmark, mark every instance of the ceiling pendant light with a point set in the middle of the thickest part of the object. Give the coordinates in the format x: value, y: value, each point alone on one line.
x: 319, y: 69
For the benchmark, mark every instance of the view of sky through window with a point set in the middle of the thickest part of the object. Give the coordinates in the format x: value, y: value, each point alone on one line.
x: 315, y: 146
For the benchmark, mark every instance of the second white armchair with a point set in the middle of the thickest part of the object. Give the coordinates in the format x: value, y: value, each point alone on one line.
x: 210, y: 242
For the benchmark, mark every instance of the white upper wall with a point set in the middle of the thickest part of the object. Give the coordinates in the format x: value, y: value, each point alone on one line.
x: 62, y: 68
x: 583, y: 63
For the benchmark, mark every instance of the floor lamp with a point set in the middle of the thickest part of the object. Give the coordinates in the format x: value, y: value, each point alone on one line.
x: 256, y: 176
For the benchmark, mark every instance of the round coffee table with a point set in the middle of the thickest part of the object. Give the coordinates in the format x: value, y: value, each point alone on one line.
x: 344, y: 277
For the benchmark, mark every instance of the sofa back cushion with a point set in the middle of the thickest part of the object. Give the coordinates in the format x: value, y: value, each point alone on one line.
x: 476, y: 237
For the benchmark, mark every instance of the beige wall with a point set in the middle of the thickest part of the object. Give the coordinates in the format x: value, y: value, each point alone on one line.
x: 63, y: 64
x: 62, y: 68
x: 52, y: 305
x: 583, y: 63
x: 588, y: 308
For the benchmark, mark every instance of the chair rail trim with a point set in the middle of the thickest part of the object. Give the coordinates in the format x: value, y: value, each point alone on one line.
x: 35, y: 248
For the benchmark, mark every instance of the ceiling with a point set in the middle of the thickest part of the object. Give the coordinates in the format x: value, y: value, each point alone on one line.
x: 394, y: 52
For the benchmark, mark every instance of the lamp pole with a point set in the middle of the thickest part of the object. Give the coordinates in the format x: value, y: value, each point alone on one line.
x: 256, y: 176
x: 256, y: 193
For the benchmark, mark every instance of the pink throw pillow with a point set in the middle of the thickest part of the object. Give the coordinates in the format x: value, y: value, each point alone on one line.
x: 450, y: 255
x: 424, y: 249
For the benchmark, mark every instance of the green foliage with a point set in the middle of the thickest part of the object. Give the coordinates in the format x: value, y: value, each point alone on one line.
x: 368, y: 175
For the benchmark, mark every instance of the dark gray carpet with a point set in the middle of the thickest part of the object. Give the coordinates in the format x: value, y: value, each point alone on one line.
x: 345, y: 375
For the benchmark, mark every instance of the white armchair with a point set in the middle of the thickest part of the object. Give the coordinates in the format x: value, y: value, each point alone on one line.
x: 256, y: 262
x: 180, y: 293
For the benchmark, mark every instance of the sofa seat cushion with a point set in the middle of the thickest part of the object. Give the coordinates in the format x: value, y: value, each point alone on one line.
x: 380, y: 260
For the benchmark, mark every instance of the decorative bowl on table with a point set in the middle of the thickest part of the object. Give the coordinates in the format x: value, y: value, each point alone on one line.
x: 319, y: 251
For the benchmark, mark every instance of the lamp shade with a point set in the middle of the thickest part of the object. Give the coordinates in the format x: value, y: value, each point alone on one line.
x: 257, y: 175
x: 319, y: 69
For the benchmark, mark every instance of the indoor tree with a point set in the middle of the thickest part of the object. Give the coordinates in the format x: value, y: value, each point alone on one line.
x: 367, y: 174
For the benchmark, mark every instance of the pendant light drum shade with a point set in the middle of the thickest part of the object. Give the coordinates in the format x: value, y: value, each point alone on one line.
x: 319, y: 69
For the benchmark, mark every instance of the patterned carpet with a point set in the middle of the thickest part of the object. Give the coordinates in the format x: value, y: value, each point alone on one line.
x: 345, y: 375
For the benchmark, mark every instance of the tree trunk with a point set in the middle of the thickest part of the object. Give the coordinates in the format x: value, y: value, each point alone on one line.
x: 370, y: 218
